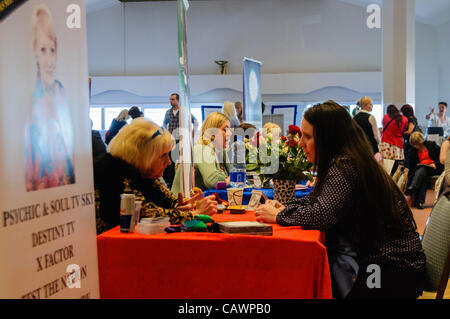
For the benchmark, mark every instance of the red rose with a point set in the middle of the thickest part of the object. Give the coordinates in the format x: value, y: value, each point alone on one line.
x: 294, y: 129
x: 292, y: 143
x: 283, y: 138
x: 257, y: 138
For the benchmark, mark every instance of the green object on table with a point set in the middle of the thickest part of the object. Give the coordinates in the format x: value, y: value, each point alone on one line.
x: 195, y: 225
x: 204, y: 218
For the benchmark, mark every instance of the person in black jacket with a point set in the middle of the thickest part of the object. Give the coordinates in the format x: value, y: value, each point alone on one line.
x: 408, y: 111
x: 369, y: 125
x: 422, y: 162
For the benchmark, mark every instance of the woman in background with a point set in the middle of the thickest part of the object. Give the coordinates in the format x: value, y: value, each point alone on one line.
x: 210, y: 160
x: 423, y: 162
x: 364, y: 215
x: 391, y: 147
x: 368, y: 124
x: 116, y: 125
x: 230, y: 112
x: 408, y: 111
x: 272, y: 128
x: 239, y: 111
x: 135, y: 162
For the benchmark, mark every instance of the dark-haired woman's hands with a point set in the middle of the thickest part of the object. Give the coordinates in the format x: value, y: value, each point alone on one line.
x: 268, y: 212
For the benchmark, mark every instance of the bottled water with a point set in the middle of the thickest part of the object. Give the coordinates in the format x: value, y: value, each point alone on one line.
x: 237, y: 168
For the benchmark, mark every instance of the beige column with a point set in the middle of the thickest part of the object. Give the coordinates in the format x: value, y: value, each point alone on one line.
x: 398, y: 61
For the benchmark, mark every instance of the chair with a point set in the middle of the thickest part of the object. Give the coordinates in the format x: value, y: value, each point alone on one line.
x: 397, y: 173
x: 436, y: 245
x: 401, y: 182
x: 400, y: 177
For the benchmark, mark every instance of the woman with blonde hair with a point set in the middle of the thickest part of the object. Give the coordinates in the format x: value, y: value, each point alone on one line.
x: 422, y: 161
x: 135, y: 162
x: 239, y: 111
x: 271, y: 128
x: 368, y: 124
x: 230, y: 112
x: 116, y: 125
x: 210, y: 162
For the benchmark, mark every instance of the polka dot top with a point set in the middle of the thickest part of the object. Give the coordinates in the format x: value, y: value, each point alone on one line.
x: 334, y: 212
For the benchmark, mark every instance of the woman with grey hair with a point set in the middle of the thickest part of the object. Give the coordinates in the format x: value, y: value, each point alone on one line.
x: 135, y: 162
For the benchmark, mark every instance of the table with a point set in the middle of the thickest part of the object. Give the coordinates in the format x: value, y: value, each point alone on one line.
x: 248, y: 193
x: 292, y: 263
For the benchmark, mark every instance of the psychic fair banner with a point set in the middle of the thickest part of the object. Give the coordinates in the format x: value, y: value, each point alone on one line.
x: 252, y: 92
x: 48, y: 243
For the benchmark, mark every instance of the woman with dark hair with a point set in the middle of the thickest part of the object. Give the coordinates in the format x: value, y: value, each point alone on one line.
x: 367, y: 222
x: 391, y: 146
x: 408, y: 111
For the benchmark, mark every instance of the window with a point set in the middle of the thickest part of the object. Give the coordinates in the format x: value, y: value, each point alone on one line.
x: 95, y: 113
x: 156, y: 114
x: 197, y: 112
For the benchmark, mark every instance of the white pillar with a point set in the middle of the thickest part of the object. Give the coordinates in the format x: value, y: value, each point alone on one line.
x: 398, y: 61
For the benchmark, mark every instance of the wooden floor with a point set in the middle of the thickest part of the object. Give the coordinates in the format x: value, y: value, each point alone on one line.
x: 421, y: 216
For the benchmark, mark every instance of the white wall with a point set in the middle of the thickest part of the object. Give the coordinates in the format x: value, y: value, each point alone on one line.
x: 443, y: 40
x: 427, y: 75
x: 288, y: 36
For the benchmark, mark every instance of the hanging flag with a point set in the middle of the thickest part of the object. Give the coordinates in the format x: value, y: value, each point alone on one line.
x: 185, y: 128
x: 252, y: 92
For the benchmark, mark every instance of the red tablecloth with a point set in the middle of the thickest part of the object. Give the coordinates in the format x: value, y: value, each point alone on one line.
x: 292, y: 263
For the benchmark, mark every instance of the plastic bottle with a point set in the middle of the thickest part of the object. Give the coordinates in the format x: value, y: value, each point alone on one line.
x: 237, y: 167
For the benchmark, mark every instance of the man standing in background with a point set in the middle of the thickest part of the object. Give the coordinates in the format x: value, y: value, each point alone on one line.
x: 171, y: 123
x: 439, y: 119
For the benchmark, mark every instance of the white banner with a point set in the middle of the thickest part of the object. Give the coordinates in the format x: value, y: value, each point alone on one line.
x: 47, y: 217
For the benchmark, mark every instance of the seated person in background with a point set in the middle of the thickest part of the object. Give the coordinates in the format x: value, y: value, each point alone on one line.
x: 116, y: 125
x: 364, y: 215
x: 98, y: 147
x: 210, y: 163
x: 441, y: 182
x: 135, y: 161
x: 249, y: 130
x: 444, y: 150
x: 239, y: 111
x: 271, y: 127
x: 423, y: 161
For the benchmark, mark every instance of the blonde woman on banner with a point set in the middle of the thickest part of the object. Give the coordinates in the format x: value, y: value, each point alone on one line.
x: 49, y: 144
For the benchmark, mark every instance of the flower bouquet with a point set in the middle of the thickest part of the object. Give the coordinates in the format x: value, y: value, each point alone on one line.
x: 278, y: 158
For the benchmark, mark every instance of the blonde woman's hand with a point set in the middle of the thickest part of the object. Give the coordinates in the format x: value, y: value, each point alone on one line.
x: 267, y: 213
x: 188, y: 203
x: 206, y: 206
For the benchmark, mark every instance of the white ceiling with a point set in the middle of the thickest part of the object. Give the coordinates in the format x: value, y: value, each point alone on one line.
x: 433, y: 12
